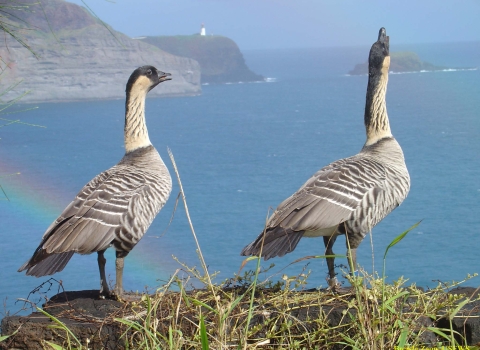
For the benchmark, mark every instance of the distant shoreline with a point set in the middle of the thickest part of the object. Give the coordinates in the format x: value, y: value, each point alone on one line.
x: 424, y: 71
x: 407, y: 62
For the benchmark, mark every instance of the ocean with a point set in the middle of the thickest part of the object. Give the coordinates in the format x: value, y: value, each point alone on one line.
x: 243, y: 148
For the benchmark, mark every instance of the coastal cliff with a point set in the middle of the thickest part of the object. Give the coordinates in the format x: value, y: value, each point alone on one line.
x: 401, y: 62
x: 219, y: 57
x: 80, y: 58
x: 319, y: 318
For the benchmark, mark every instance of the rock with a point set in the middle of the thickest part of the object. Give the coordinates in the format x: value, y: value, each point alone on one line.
x: 80, y: 58
x: 35, y: 331
x: 400, y: 62
x: 219, y: 57
x: 467, y: 321
x: 91, y: 320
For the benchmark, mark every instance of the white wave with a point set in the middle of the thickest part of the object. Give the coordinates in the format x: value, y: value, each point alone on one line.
x: 265, y: 80
x: 458, y: 69
x: 437, y: 70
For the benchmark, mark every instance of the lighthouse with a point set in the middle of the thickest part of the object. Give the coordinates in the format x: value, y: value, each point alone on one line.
x: 202, y: 30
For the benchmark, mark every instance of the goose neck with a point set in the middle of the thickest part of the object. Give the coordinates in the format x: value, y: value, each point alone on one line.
x: 136, y: 133
x: 377, y: 124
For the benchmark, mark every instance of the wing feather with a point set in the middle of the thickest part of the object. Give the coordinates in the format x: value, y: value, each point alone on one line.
x: 330, y: 197
x: 89, y: 222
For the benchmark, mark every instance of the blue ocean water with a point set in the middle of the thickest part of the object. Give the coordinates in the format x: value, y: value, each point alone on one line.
x: 243, y: 148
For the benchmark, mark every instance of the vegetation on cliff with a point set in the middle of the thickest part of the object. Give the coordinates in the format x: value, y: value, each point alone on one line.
x: 219, y: 57
x: 248, y: 313
x: 403, y: 61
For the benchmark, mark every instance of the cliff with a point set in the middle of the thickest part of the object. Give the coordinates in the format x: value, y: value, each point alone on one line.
x: 400, y: 62
x: 320, y: 319
x: 220, y: 58
x: 80, y: 58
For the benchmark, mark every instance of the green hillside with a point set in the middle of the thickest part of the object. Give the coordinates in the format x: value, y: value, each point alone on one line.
x: 219, y: 57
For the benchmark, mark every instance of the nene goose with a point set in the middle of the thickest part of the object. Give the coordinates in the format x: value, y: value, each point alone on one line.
x: 349, y: 196
x: 117, y: 206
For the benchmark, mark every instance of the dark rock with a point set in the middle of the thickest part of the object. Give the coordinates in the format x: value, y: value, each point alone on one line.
x: 467, y: 320
x: 427, y: 337
x: 35, y: 330
x: 90, y: 318
x: 82, y: 303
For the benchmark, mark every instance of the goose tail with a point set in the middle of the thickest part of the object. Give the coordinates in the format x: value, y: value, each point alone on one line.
x: 47, y: 266
x: 273, y: 242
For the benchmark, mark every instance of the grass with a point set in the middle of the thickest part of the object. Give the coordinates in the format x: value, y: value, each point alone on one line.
x: 375, y: 315
x: 245, y: 312
x: 281, y: 316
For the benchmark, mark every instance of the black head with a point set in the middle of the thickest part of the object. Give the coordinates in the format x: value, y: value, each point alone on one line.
x: 379, y: 51
x: 146, y: 78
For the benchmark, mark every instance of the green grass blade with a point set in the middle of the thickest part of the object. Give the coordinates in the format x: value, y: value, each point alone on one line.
x: 131, y: 324
x: 107, y: 27
x: 399, y: 238
x: 402, y: 340
x: 54, y: 346
x: 60, y: 325
x: 395, y: 297
x: 252, y: 297
x: 184, y: 294
x: 457, y: 309
x: 234, y: 304
x: 149, y: 310
x: 203, y: 334
x: 170, y: 337
x: 440, y: 333
x: 202, y: 304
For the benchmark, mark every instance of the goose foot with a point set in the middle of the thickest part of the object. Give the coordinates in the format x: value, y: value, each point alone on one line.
x: 336, y: 287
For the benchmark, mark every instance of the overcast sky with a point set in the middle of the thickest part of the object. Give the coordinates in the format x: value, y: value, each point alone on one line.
x: 256, y: 24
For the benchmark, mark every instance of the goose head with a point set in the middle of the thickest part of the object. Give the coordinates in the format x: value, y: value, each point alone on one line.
x: 144, y: 79
x: 379, y: 58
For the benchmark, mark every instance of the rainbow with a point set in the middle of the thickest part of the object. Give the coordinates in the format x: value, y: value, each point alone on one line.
x: 35, y: 199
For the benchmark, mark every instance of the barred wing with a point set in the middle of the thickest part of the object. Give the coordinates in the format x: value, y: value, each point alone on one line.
x: 89, y: 222
x: 331, y: 195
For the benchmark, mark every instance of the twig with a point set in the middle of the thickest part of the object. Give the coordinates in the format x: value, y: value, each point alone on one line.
x: 202, y: 260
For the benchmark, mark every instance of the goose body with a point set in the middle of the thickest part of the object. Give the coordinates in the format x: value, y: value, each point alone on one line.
x: 349, y: 196
x: 117, y: 206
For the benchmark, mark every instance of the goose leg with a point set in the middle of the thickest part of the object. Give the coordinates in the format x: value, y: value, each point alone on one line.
x: 332, y: 280
x: 353, y: 242
x: 104, y: 291
x: 352, y: 260
x: 119, y: 263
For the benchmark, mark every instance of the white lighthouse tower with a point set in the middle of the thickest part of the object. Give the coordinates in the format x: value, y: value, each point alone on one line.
x: 202, y: 30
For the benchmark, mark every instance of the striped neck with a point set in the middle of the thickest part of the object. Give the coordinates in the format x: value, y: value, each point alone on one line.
x: 136, y: 133
x: 376, y: 117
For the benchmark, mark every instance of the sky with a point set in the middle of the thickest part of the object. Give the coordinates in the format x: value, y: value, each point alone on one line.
x: 271, y: 24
